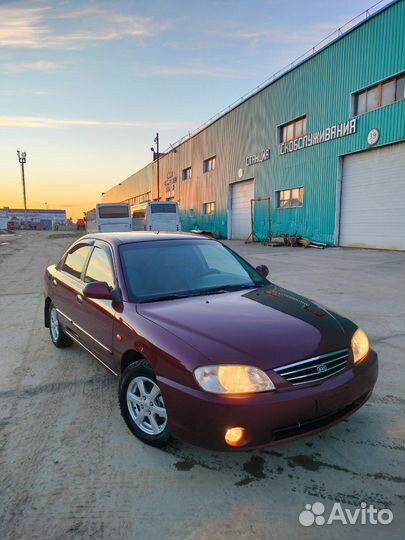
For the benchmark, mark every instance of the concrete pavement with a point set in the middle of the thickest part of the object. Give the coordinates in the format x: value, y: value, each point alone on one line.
x: 69, y: 467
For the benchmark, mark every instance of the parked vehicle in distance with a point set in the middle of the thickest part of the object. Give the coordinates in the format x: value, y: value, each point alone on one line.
x: 109, y: 217
x: 206, y: 348
x: 80, y: 225
x: 156, y: 216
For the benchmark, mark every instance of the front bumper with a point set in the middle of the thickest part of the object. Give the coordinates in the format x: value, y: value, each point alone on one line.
x: 270, y: 418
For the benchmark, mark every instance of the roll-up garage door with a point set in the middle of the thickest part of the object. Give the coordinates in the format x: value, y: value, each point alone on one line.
x: 372, y: 212
x: 241, y: 195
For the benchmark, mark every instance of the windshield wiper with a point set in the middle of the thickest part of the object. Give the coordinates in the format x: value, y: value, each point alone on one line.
x: 225, y: 289
x: 171, y: 296
x: 239, y: 287
x: 200, y: 292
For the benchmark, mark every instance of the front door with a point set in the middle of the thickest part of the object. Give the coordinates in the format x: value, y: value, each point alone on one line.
x: 97, y: 316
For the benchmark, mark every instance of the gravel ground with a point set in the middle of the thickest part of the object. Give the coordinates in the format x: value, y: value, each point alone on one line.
x: 70, y: 469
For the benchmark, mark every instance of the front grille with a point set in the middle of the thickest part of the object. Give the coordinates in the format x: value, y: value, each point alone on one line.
x: 314, y: 369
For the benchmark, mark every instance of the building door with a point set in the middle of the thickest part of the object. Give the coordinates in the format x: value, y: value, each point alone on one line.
x: 372, y: 211
x: 241, y: 195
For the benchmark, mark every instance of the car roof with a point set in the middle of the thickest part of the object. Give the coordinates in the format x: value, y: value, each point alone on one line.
x: 117, y: 238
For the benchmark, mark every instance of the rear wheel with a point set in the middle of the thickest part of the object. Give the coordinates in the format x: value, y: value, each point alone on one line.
x: 142, y: 405
x: 58, y: 336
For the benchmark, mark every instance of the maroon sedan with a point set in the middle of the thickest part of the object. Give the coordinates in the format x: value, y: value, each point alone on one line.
x: 206, y: 348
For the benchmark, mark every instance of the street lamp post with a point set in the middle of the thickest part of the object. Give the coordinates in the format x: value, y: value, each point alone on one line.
x: 22, y: 158
x: 156, y: 157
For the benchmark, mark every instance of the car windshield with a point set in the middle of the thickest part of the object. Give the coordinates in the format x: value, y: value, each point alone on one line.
x: 169, y: 269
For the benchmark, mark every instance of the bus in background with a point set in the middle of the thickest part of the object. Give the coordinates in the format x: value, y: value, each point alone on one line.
x: 156, y: 216
x: 109, y: 217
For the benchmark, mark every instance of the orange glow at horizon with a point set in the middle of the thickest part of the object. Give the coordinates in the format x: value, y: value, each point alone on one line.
x: 74, y: 185
x: 45, y: 198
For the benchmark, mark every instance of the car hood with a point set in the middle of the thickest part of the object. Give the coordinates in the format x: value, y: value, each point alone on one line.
x: 265, y: 327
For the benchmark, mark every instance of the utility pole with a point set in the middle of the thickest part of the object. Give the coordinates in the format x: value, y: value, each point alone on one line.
x: 156, y: 157
x: 22, y: 158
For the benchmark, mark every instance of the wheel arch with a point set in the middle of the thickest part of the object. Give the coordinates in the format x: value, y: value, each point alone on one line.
x: 131, y: 357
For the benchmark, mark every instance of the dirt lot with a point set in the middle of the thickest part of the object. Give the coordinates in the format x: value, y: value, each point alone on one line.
x: 69, y: 467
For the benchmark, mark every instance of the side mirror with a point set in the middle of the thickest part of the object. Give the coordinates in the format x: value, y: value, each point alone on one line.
x: 98, y: 289
x: 263, y: 270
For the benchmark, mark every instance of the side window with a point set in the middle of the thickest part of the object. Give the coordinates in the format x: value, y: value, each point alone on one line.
x: 75, y: 260
x: 99, y: 268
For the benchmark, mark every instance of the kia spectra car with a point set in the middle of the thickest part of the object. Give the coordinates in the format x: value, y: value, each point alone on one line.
x: 206, y: 349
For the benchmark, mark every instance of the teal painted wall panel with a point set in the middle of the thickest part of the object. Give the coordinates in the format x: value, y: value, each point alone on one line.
x: 321, y: 88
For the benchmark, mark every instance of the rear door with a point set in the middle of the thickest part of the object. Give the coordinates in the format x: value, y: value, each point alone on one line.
x: 67, y: 287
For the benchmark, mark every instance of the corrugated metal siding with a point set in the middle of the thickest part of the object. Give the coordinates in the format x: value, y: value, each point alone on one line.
x: 321, y: 88
x: 136, y: 184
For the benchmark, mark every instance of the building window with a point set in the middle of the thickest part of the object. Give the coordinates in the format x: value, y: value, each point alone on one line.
x: 186, y: 174
x: 293, y: 130
x: 290, y: 198
x: 209, y: 164
x: 209, y: 208
x: 379, y: 95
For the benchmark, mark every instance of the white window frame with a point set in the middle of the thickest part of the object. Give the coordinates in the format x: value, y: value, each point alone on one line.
x: 290, y: 190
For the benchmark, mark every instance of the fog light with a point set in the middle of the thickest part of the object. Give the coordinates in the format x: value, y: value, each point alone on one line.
x: 235, y: 436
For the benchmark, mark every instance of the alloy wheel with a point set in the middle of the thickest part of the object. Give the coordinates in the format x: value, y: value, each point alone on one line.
x: 54, y: 324
x: 146, y: 406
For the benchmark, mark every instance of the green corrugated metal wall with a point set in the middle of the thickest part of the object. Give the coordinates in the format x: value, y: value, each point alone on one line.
x: 320, y: 88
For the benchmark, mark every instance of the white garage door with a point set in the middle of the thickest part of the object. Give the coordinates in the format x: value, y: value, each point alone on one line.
x: 241, y: 195
x: 373, y: 199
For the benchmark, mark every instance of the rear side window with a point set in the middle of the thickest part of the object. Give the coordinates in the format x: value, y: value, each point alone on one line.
x: 106, y: 212
x: 99, y: 268
x: 163, y: 208
x: 75, y: 260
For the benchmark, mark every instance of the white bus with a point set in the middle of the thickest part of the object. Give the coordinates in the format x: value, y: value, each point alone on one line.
x: 156, y: 216
x: 109, y: 217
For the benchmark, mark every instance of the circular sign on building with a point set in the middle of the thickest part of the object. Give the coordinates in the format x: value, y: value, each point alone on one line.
x: 373, y: 136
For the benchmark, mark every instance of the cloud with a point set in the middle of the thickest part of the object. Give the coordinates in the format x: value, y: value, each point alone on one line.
x: 189, y: 71
x: 41, y: 122
x: 39, y: 65
x: 40, y: 27
x: 308, y: 36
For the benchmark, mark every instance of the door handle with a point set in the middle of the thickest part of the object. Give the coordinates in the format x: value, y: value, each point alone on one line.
x: 54, y: 283
x: 79, y: 299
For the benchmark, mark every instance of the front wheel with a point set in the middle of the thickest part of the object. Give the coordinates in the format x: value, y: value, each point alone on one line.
x: 58, y: 336
x: 142, y: 405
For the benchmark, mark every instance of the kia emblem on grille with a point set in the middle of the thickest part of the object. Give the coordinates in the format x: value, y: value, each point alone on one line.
x: 321, y: 368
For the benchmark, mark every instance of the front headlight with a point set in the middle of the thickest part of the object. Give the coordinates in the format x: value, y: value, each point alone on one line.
x: 233, y: 379
x: 360, y: 345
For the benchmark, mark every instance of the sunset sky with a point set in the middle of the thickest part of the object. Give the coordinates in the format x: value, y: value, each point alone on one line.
x: 84, y: 86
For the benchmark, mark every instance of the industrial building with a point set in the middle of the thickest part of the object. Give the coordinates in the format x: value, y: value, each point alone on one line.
x: 47, y: 218
x: 318, y: 151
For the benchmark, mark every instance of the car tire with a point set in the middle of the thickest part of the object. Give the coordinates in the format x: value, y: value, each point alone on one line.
x: 142, y: 405
x: 58, y: 336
